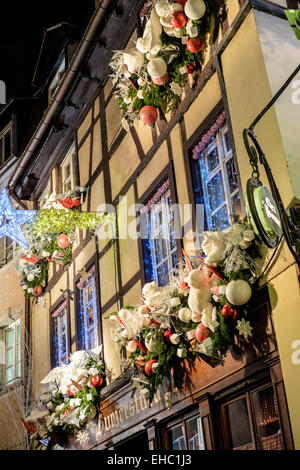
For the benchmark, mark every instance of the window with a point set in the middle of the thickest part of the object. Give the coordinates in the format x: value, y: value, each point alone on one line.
x: 158, y: 236
x: 186, y: 434
x: 68, y: 171
x: 12, y: 335
x: 57, y: 80
x: 87, y: 324
x: 60, y: 335
x: 251, y: 421
x: 45, y: 195
x: 5, y: 144
x: 215, y: 178
x: 7, y: 247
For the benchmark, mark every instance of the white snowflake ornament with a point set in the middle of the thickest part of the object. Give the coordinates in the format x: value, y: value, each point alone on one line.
x: 83, y: 437
x: 244, y: 328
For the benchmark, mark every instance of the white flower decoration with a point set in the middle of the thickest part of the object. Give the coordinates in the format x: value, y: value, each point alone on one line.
x: 83, y: 437
x: 176, y: 88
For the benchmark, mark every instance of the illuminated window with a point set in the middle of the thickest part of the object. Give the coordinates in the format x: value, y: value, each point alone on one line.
x: 60, y: 335
x: 5, y: 144
x: 185, y: 434
x: 215, y: 177
x: 87, y: 315
x: 12, y: 335
x: 158, y: 237
x: 68, y: 171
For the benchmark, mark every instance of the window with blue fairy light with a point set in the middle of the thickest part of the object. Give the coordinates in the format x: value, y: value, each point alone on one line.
x: 60, y: 336
x: 158, y: 237
x: 87, y: 315
x: 215, y: 177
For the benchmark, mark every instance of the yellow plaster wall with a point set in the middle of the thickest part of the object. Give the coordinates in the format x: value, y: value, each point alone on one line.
x: 62, y: 284
x: 122, y: 164
x: 133, y: 296
x: 153, y: 169
x: 113, y: 120
x: 85, y: 255
x: 97, y: 193
x: 203, y: 104
x: 97, y: 146
x: 84, y: 161
x: 145, y: 135
x: 84, y: 126
x: 129, y: 253
x: 107, y: 277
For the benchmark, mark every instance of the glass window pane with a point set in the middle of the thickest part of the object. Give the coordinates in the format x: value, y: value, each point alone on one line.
x: 267, y: 419
x: 195, y: 436
x: 163, y: 274
x: 9, y: 374
x: 226, y: 143
x: 215, y: 191
x: 10, y: 357
x: 220, y: 220
x: 236, y: 205
x: 176, y: 439
x: 212, y: 159
x: 10, y: 338
x: 160, y: 247
x: 232, y: 175
x: 239, y: 425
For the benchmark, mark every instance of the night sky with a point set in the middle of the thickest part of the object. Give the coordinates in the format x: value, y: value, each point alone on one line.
x: 21, y: 32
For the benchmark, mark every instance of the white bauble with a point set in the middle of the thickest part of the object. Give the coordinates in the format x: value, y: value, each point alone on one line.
x: 149, y: 343
x: 195, y: 9
x: 185, y: 314
x: 131, y: 346
x: 238, y: 292
x: 30, y: 277
x: 157, y: 68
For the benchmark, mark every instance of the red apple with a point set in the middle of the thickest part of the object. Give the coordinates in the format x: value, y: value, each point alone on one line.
x: 179, y: 19
x: 229, y: 313
x: 201, y: 332
x: 148, y: 114
x: 38, y: 290
x: 96, y: 381
x: 148, y: 367
x: 195, y: 44
x: 190, y: 68
x: 161, y: 80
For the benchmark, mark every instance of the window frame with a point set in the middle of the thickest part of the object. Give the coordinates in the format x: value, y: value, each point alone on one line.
x: 53, y: 309
x: 247, y: 395
x: 182, y: 421
x: 92, y: 262
x: 70, y: 158
x: 13, y: 326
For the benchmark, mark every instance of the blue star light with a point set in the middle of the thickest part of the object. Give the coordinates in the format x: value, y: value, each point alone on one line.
x: 11, y: 220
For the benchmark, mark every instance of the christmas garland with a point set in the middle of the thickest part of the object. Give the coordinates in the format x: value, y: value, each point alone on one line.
x: 152, y: 75
x: 202, y: 312
x: 70, y: 400
x: 51, y: 235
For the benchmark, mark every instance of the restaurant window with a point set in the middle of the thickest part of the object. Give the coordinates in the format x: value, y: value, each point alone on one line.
x: 87, y: 311
x: 68, y: 171
x: 12, y: 338
x: 185, y: 434
x: 60, y: 335
x: 251, y: 422
x: 158, y: 236
x: 5, y: 144
x: 215, y: 177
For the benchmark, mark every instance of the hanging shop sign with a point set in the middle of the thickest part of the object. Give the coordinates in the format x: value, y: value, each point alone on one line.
x: 263, y: 213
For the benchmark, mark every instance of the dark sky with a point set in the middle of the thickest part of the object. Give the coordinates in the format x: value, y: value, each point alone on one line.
x: 21, y: 31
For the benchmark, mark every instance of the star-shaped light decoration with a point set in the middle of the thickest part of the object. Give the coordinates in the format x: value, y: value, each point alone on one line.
x: 82, y: 437
x: 12, y: 219
x: 244, y: 328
